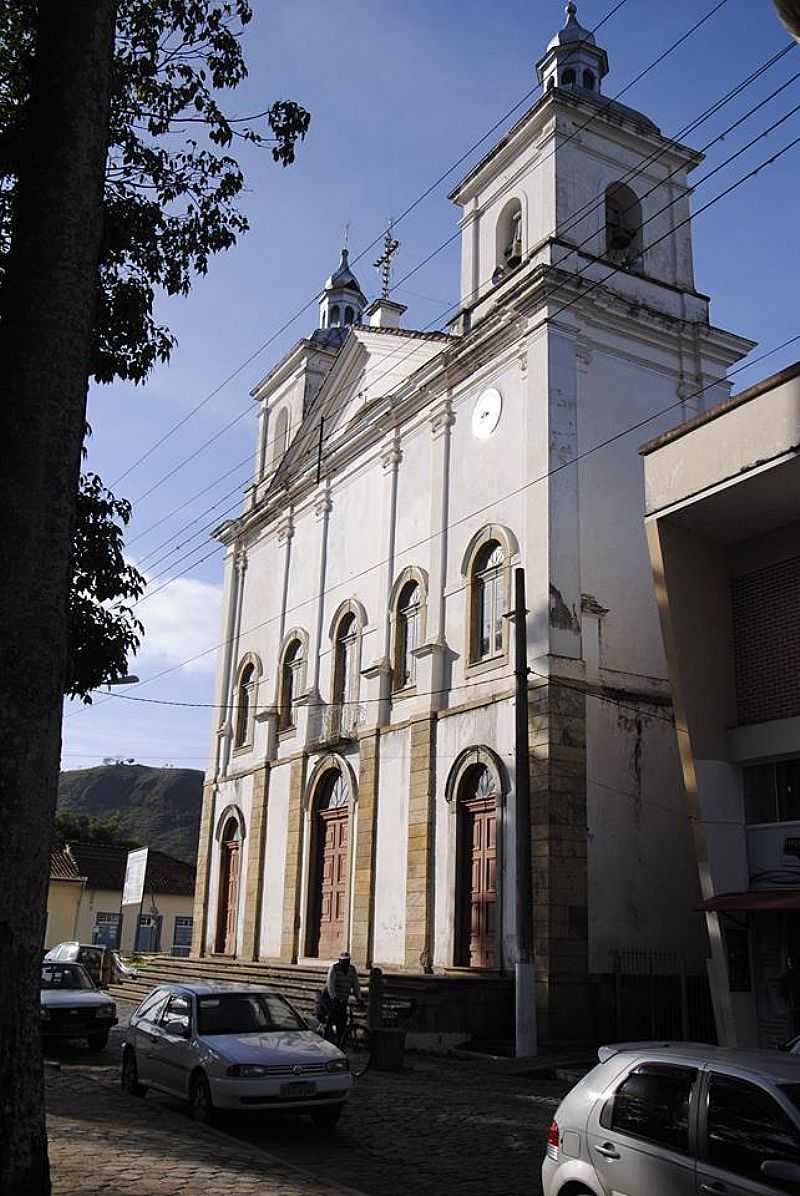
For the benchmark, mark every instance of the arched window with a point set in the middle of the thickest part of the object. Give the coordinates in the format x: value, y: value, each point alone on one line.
x: 407, y: 635
x: 281, y: 436
x: 588, y: 80
x: 335, y: 316
x: 344, y: 678
x: 568, y: 78
x: 488, y: 601
x: 243, y: 704
x: 349, y: 315
x: 623, y: 225
x: 551, y: 83
x: 509, y: 239
x: 291, y: 682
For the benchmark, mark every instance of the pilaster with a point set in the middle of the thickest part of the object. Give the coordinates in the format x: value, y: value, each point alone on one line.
x: 419, y: 868
x: 364, y: 879
x: 201, y: 886
x: 294, y: 861
x: 559, y: 847
x: 256, y: 841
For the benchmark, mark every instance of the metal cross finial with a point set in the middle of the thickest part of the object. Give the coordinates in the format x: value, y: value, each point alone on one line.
x: 347, y: 236
x: 384, y: 262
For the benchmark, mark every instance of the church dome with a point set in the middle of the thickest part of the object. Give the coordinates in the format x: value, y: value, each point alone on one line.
x: 573, y: 58
x: 572, y: 32
x: 343, y: 278
x: 342, y: 302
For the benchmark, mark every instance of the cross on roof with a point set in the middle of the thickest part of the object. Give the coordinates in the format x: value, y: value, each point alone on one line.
x: 384, y: 262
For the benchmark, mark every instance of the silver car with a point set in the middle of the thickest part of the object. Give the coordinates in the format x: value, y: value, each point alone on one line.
x: 228, y: 1046
x: 72, y: 1006
x: 683, y: 1119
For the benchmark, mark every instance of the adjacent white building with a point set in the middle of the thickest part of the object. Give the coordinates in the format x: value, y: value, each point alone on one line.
x: 362, y: 770
x: 723, y: 524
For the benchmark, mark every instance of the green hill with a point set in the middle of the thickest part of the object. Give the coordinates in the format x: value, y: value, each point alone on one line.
x: 158, y: 807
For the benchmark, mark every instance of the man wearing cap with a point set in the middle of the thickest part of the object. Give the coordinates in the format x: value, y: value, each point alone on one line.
x: 342, y: 980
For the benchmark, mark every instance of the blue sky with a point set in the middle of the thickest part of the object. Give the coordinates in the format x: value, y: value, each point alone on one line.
x: 397, y: 94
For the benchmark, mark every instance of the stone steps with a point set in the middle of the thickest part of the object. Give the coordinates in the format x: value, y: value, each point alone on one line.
x: 298, y: 985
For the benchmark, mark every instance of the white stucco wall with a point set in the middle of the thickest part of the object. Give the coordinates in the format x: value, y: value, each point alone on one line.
x: 274, y: 863
x: 643, y: 886
x: 391, y: 849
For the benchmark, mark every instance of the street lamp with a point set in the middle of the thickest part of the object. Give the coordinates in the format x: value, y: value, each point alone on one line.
x: 789, y: 13
x: 130, y: 679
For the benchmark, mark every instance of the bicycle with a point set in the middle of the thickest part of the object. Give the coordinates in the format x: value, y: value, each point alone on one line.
x: 354, y: 1040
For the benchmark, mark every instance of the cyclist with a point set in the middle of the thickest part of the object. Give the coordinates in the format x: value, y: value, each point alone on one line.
x: 342, y: 981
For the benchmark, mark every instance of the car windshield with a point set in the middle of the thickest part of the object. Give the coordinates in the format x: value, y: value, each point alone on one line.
x: 246, y: 1013
x: 65, y: 976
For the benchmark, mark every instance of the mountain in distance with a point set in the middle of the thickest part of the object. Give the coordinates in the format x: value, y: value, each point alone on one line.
x: 157, y: 807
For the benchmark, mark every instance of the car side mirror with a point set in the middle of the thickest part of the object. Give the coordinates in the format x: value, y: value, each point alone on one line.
x: 782, y: 1171
x: 313, y: 1024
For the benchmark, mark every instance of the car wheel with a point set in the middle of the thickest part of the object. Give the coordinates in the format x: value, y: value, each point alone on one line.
x: 98, y: 1041
x: 326, y: 1119
x: 200, y: 1099
x: 130, y: 1075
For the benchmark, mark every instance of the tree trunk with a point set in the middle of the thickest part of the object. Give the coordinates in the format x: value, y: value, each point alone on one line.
x: 46, y: 317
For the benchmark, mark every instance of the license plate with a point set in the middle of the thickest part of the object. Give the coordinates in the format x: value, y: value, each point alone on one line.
x: 296, y: 1088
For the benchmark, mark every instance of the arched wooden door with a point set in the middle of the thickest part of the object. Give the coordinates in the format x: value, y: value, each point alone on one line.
x: 228, y: 888
x: 476, y: 896
x: 327, y: 905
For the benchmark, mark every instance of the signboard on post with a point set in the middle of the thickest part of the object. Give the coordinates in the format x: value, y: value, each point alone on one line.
x: 132, y: 897
x: 135, y: 870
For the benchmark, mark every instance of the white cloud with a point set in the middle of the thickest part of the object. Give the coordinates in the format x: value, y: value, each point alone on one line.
x: 181, y: 621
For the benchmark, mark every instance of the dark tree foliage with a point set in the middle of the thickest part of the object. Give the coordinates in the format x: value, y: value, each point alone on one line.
x: 172, y: 189
x: 101, y: 635
x: 72, y: 827
x: 171, y: 202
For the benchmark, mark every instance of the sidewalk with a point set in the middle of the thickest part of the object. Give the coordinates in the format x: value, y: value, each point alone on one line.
x: 103, y: 1141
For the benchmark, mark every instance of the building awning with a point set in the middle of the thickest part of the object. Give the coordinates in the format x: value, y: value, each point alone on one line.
x: 755, y: 900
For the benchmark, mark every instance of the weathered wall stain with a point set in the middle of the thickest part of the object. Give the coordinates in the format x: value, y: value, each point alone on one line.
x: 563, y: 617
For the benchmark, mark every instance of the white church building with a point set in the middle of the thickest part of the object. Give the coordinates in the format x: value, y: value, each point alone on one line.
x: 361, y: 775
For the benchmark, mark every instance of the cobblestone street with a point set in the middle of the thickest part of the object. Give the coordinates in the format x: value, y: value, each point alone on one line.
x: 438, y: 1127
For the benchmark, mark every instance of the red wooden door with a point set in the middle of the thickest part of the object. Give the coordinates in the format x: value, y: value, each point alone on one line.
x: 332, y: 880
x: 479, y: 885
x: 228, y: 898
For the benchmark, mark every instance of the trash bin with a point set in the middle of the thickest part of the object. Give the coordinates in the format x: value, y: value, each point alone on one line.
x: 388, y: 1048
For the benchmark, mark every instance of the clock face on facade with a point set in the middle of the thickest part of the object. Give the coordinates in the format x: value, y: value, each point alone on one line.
x: 486, y: 413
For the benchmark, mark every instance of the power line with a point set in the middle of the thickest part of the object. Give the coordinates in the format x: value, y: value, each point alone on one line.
x: 315, y: 298
x: 630, y: 175
x: 412, y: 547
x: 562, y: 285
x: 603, y: 107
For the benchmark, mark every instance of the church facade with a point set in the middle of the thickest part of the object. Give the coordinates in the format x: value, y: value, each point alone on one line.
x: 361, y: 778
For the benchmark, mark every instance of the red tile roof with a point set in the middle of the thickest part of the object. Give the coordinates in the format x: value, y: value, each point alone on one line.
x: 103, y: 865
x: 63, y: 866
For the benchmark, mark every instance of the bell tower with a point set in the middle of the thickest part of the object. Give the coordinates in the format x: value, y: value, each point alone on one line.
x: 579, y: 179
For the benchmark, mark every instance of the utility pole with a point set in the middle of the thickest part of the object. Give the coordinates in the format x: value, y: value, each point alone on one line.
x: 524, y: 970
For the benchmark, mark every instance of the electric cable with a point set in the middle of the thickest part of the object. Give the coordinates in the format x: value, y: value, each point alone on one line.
x: 412, y: 547
x: 602, y: 108
x: 562, y: 285
x: 631, y: 174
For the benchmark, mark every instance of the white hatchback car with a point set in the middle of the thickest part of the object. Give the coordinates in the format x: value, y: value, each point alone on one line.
x: 227, y: 1046
x: 678, y: 1119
